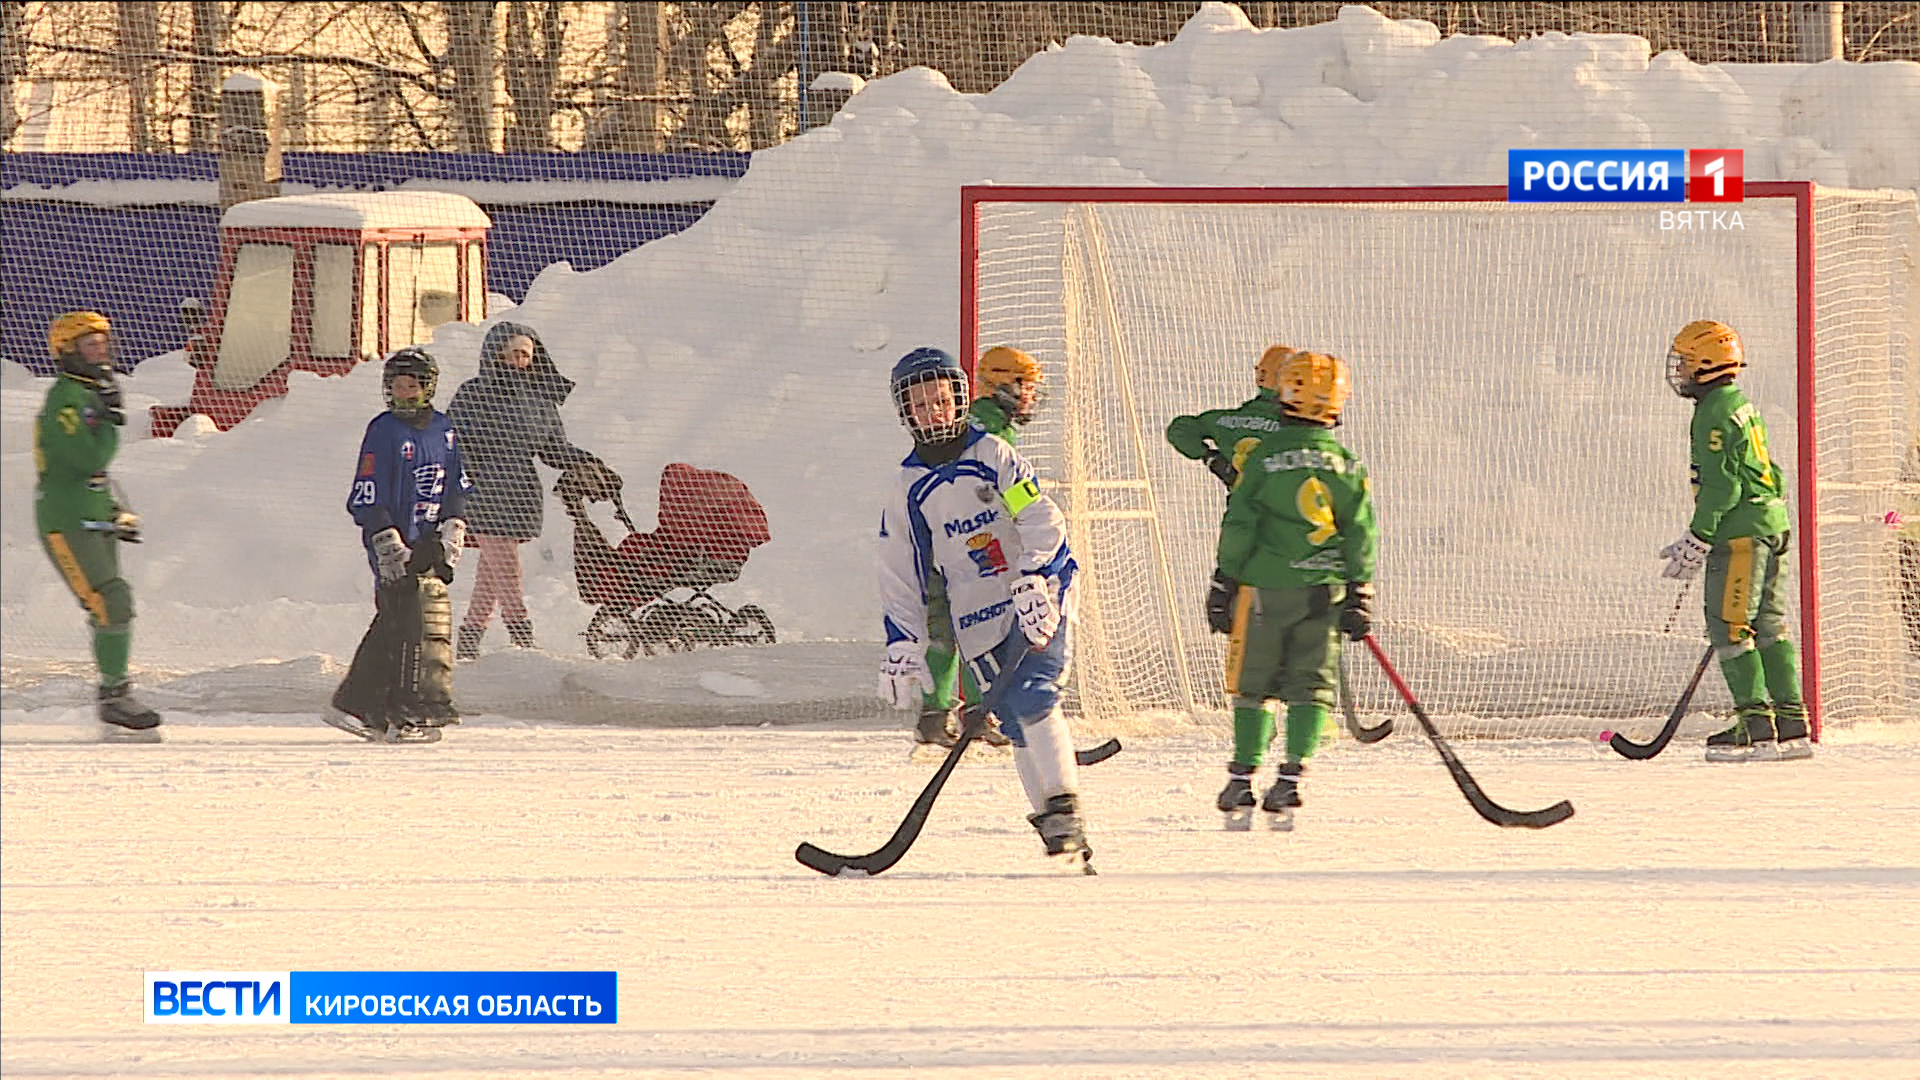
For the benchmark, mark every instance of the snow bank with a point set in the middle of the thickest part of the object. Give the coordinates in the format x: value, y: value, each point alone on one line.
x: 758, y: 341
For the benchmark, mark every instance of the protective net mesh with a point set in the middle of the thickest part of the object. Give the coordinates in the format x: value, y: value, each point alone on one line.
x: 1527, y: 459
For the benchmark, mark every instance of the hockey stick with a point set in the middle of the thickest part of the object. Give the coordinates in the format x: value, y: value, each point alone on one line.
x: 1485, y: 807
x: 1361, y: 734
x: 1627, y: 748
x: 973, y: 722
x: 1094, y: 755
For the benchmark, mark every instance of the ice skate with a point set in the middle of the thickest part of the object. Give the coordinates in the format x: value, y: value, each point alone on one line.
x: 1283, y: 797
x: 1060, y: 830
x: 412, y: 730
x: 1751, y: 738
x: 934, y: 733
x: 1235, y: 802
x: 1790, y: 732
x: 992, y: 736
x: 124, y: 719
x: 335, y: 716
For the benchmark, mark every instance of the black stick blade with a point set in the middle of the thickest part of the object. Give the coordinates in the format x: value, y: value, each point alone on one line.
x: 1094, y: 755
x: 1627, y: 748
x: 1362, y: 734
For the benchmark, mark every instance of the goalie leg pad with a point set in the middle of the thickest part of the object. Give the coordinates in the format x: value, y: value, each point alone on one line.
x: 435, y: 656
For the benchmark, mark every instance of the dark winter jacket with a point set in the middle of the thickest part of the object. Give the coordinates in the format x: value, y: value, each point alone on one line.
x: 506, y: 417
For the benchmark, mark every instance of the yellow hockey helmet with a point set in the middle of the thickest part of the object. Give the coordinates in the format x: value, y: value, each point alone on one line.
x: 1266, y: 374
x: 67, y: 330
x: 1702, y: 352
x: 1314, y: 387
x: 1002, y: 373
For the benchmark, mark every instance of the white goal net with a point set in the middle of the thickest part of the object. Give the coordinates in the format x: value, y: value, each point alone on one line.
x: 1528, y: 460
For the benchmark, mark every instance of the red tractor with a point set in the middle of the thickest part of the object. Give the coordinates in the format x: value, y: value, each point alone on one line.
x: 321, y: 282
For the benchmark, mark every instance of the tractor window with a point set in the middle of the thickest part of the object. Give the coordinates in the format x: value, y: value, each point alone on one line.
x: 476, y: 280
x: 423, y: 290
x: 333, y: 274
x: 257, y: 333
x: 370, y: 302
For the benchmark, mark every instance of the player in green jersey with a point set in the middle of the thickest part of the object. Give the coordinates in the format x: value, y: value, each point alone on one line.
x: 1222, y: 437
x: 1294, y: 570
x: 81, y: 524
x: 1008, y: 383
x: 1739, y: 534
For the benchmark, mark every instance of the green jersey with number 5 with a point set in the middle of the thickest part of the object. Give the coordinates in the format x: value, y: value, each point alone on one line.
x: 1301, y: 515
x: 1736, y: 485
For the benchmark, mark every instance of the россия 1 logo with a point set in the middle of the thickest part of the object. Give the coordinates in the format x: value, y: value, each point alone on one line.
x: 1625, y: 176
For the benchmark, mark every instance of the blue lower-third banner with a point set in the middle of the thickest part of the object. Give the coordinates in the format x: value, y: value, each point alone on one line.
x: 383, y: 997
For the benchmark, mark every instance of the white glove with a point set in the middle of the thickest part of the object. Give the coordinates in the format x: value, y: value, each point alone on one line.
x: 390, y: 553
x: 1685, y: 557
x: 1033, y: 605
x: 453, y: 537
x: 904, y: 675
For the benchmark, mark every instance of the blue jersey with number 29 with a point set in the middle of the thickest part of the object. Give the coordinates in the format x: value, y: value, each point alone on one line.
x: 408, y: 478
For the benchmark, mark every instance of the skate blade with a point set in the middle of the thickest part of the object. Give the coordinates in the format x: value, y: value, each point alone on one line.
x: 1797, y: 750
x: 1238, y: 820
x: 1280, y: 821
x: 114, y: 733
x: 1731, y: 755
x: 412, y: 735
x: 1076, y: 863
x: 1765, y: 751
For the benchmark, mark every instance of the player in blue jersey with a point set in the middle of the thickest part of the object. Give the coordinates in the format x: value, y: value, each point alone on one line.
x: 408, y: 497
x: 965, y: 506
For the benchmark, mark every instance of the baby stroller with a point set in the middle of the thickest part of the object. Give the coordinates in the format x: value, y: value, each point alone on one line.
x: 709, y: 523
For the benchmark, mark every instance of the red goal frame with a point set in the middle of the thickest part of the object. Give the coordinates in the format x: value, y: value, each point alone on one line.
x: 1801, y: 192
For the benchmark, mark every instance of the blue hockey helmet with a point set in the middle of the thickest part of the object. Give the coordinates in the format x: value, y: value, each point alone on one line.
x: 931, y: 366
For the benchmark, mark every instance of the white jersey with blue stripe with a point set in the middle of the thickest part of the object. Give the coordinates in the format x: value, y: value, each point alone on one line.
x: 979, y: 520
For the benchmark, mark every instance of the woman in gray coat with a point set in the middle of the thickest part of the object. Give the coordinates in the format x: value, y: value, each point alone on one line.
x: 507, y: 416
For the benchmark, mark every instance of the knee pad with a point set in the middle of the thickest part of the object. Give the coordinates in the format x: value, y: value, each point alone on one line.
x: 117, y: 598
x: 435, y: 655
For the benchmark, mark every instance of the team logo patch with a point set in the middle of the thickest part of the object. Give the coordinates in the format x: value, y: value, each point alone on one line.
x: 984, y: 492
x: 406, y: 450
x: 366, y: 465
x: 984, y: 549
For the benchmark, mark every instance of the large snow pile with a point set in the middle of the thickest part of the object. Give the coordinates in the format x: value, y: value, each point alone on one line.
x: 759, y: 340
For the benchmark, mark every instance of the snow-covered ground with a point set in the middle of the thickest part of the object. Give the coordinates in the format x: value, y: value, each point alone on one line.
x: 1690, y: 920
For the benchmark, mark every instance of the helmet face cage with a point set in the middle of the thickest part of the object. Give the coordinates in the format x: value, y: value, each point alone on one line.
x: 933, y: 433
x: 421, y: 366
x: 1314, y: 387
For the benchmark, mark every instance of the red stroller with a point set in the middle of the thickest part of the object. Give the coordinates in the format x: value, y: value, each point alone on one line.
x: 709, y: 524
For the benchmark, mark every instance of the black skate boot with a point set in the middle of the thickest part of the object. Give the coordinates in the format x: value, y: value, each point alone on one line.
x: 935, y: 728
x: 1235, y: 801
x: 468, y: 646
x: 1283, y: 797
x: 1790, y: 731
x: 520, y: 634
x: 1059, y: 829
x: 1751, y: 738
x: 123, y: 718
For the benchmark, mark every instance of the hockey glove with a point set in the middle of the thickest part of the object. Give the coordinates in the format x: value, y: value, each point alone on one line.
x: 1685, y: 557
x: 1033, y: 605
x: 1356, y: 617
x: 126, y: 526
x: 904, y: 675
x: 111, y: 400
x: 390, y: 554
x: 1220, y: 597
x: 1218, y: 464
x: 453, y: 537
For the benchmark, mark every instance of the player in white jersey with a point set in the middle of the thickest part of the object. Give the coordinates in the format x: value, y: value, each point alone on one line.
x: 965, y: 504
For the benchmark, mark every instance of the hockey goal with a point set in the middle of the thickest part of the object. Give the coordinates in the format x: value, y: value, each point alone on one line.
x: 1528, y: 460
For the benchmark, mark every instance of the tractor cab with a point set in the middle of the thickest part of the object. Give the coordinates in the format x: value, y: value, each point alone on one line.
x: 322, y: 282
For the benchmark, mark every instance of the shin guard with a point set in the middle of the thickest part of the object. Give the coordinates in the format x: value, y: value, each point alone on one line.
x: 434, y: 658
x: 1046, y: 764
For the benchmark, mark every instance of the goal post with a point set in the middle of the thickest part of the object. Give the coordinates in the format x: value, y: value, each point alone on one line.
x: 1527, y: 458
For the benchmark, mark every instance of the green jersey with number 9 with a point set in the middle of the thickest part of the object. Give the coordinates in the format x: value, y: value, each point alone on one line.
x: 1301, y: 515
x: 1736, y: 484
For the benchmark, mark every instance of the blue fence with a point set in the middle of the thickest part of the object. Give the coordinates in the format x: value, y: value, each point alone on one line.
x: 135, y: 260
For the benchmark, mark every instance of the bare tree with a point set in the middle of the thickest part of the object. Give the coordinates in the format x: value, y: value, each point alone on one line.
x: 470, y: 53
x: 629, y: 118
x: 139, y: 38
x: 535, y: 34
x: 773, y: 58
x: 13, y: 63
x: 203, y: 95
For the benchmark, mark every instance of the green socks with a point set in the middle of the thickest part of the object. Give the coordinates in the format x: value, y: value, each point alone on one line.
x: 945, y: 666
x: 1252, y: 731
x: 1304, y: 723
x: 111, y: 647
